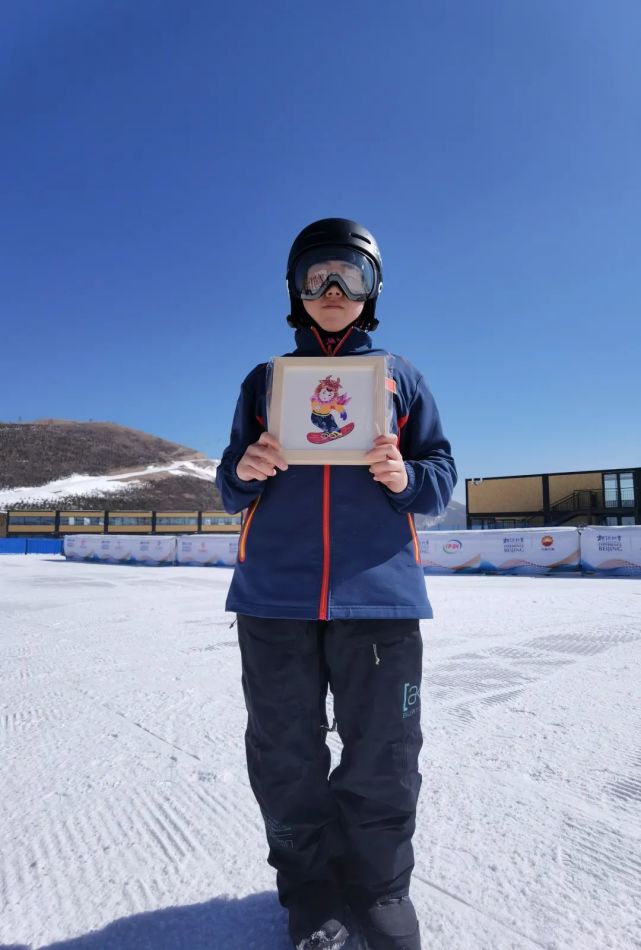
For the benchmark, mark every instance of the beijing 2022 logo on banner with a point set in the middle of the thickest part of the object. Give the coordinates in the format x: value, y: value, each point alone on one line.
x: 513, y: 544
x: 609, y: 542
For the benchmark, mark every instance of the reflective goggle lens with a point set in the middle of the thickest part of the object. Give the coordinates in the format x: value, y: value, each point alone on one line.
x: 318, y: 269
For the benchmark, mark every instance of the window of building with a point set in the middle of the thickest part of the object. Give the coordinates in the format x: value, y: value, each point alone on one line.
x: 177, y: 520
x: 611, y: 492
x: 83, y: 520
x: 618, y: 489
x: 626, y: 489
x: 487, y: 524
x: 122, y: 520
x: 32, y: 519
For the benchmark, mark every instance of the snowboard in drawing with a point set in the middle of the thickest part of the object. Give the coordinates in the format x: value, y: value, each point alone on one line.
x: 327, y: 402
x: 320, y: 438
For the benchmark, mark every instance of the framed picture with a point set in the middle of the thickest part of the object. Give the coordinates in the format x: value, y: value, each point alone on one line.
x: 326, y: 411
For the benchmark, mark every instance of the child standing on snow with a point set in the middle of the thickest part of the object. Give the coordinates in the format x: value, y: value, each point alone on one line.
x: 329, y: 591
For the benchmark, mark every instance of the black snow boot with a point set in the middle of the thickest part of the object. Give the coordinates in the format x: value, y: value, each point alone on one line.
x: 390, y: 924
x: 317, y: 919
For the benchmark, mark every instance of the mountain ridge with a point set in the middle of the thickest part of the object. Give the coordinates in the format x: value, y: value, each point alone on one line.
x: 134, y: 469
x: 69, y: 464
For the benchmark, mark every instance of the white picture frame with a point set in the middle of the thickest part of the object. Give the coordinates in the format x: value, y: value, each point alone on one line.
x: 354, y: 395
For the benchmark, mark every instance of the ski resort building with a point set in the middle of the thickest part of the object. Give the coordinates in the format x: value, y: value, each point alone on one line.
x: 599, y: 497
x: 26, y: 522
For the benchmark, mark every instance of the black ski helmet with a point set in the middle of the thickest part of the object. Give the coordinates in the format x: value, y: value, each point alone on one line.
x: 339, y: 232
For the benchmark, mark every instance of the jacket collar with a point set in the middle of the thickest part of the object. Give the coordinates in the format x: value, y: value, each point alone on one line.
x: 309, y: 343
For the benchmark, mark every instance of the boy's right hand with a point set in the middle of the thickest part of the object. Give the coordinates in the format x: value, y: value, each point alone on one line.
x: 261, y: 459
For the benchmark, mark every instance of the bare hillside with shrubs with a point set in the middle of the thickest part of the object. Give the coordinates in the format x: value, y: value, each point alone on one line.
x: 36, y: 453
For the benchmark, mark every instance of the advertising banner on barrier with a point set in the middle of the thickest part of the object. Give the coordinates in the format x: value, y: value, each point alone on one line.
x: 207, y: 550
x: 121, y: 549
x: 81, y: 547
x: 514, y: 551
x: 615, y: 550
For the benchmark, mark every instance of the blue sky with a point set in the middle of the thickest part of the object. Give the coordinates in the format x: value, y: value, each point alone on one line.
x: 158, y: 158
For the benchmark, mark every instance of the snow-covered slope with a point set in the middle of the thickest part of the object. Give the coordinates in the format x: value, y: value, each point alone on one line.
x: 126, y: 817
x: 88, y: 485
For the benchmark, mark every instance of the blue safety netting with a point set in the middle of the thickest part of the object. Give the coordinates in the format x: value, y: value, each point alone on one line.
x: 31, y: 545
x: 44, y: 545
x: 13, y: 545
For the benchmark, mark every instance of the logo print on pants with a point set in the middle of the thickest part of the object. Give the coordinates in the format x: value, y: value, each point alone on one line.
x: 411, y: 697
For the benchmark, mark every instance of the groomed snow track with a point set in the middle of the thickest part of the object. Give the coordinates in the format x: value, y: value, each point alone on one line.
x: 126, y: 819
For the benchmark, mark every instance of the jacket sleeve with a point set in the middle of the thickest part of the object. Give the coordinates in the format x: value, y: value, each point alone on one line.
x: 431, y: 472
x: 246, y: 429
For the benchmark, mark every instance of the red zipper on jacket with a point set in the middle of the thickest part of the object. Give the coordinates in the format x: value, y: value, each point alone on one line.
x: 326, y: 350
x: 323, y: 607
x: 242, y: 541
x: 324, y: 594
x: 417, y: 549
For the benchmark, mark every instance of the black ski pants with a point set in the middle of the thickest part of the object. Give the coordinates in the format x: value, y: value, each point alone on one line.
x: 351, y: 828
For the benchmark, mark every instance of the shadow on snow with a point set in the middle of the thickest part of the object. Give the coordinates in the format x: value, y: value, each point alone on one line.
x: 256, y: 922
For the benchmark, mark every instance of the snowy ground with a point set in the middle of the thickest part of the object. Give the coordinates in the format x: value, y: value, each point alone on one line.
x: 126, y: 820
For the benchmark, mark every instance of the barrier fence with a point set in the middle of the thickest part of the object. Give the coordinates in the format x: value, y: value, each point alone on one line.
x: 612, y: 550
x: 603, y: 550
x: 492, y: 551
x: 31, y: 546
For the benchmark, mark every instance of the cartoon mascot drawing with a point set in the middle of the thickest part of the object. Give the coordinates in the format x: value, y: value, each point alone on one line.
x: 325, y: 401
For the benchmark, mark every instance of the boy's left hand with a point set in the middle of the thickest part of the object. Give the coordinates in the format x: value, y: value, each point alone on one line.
x: 387, y: 466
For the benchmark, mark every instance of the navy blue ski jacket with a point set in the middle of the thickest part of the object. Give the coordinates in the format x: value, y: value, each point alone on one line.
x: 322, y: 541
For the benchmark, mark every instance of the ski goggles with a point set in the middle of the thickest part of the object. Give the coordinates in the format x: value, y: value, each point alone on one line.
x: 319, y: 268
